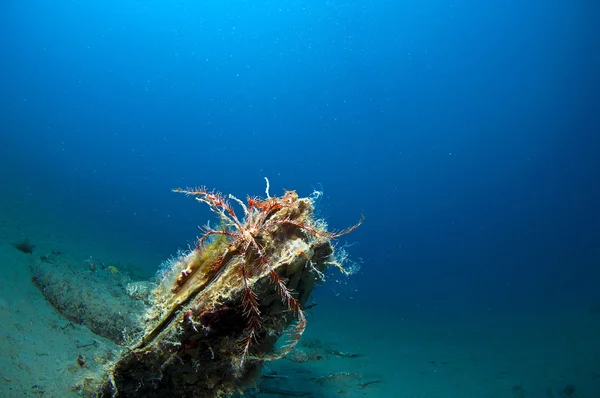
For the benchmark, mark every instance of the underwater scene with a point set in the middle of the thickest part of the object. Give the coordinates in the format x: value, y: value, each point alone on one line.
x: 327, y: 199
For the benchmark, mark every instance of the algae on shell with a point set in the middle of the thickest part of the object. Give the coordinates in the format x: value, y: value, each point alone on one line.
x: 221, y: 310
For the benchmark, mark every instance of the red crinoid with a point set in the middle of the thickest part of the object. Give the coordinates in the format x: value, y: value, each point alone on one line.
x: 244, y: 235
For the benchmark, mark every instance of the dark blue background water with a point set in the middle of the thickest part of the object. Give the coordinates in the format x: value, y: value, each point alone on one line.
x: 466, y: 131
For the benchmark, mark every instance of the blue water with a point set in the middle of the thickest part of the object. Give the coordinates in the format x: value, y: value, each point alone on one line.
x: 467, y: 132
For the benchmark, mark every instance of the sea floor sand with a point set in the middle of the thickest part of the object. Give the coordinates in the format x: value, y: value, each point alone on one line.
x: 379, y: 354
x: 491, y: 355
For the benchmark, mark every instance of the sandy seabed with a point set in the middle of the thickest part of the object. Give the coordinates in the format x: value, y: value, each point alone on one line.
x: 341, y: 355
